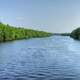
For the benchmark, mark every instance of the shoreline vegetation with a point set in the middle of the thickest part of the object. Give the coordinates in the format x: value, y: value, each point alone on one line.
x: 75, y: 34
x: 61, y: 34
x: 9, y: 33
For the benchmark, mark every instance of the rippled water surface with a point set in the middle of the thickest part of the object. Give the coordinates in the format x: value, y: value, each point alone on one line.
x: 52, y: 58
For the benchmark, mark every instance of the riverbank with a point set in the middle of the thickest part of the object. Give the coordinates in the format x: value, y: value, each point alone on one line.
x: 9, y: 33
x: 62, y: 34
x: 75, y: 34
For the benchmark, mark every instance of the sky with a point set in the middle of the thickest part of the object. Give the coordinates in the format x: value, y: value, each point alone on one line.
x: 55, y: 16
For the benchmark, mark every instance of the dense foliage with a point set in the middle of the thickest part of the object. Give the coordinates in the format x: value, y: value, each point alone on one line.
x: 75, y: 34
x: 8, y: 33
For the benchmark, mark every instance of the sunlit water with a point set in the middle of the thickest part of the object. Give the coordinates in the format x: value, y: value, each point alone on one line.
x: 51, y: 58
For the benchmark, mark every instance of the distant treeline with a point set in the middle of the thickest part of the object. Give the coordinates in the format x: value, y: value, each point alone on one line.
x: 75, y: 34
x: 62, y: 34
x: 8, y: 33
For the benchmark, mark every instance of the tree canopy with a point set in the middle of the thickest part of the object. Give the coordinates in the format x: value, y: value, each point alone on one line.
x: 8, y: 33
x: 76, y: 34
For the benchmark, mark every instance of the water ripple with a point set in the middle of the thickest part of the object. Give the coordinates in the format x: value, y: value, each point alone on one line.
x: 53, y: 58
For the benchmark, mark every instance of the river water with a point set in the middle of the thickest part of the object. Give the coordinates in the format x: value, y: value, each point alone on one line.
x: 51, y: 58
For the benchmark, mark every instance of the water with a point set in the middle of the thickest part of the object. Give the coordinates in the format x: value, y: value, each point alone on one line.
x: 51, y: 58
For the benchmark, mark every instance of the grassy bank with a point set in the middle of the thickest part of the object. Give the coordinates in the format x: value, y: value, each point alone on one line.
x: 8, y: 33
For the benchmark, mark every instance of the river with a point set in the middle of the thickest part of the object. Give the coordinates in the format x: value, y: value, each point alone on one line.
x: 51, y: 58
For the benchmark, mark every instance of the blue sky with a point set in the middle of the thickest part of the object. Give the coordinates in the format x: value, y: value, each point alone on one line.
x: 46, y: 15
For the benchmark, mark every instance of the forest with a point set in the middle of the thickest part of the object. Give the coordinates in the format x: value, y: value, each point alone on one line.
x: 75, y: 34
x: 9, y: 33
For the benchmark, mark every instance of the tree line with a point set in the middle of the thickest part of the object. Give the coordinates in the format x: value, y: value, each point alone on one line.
x: 8, y: 33
x: 75, y: 34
